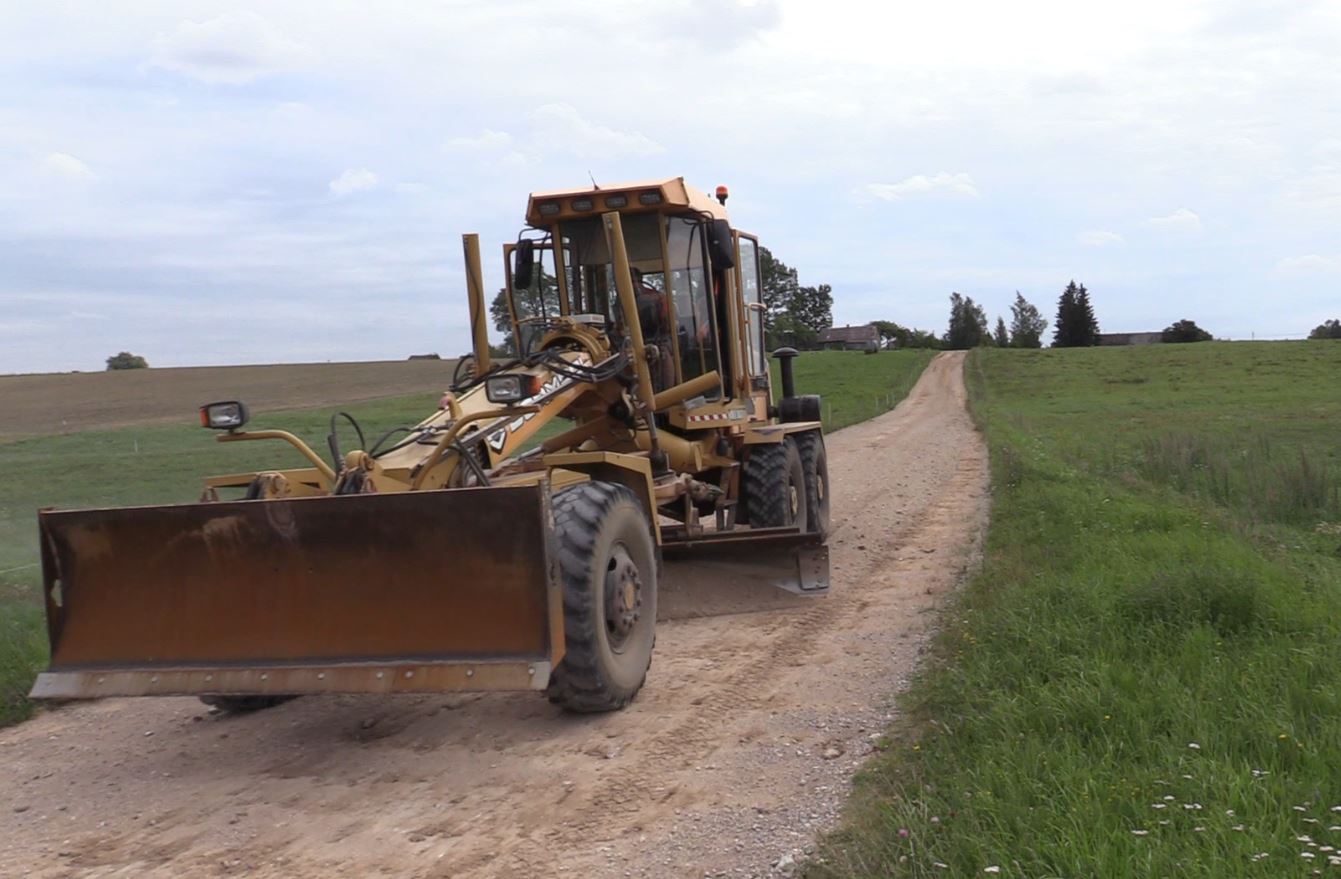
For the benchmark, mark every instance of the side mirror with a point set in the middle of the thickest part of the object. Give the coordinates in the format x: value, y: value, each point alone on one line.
x: 523, y: 266
x: 721, y: 248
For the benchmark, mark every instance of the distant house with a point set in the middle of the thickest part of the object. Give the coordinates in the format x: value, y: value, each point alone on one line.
x: 862, y: 338
x: 1130, y: 338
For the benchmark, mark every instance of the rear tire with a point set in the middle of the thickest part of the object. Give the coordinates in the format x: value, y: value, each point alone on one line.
x: 244, y: 704
x: 815, y: 468
x: 774, y: 486
x: 608, y: 566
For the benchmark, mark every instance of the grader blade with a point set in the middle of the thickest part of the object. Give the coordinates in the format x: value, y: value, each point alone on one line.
x: 741, y: 572
x: 413, y: 591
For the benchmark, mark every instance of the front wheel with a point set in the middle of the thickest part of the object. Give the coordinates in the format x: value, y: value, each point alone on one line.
x: 608, y: 565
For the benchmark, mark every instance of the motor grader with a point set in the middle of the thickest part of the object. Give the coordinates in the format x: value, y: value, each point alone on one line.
x: 461, y: 553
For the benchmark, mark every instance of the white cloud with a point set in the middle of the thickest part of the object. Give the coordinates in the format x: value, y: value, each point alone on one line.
x: 492, y: 147
x: 1101, y: 238
x: 561, y: 127
x: 233, y: 48
x: 1181, y: 220
x: 918, y: 184
x: 353, y: 180
x: 733, y: 22
x: 67, y: 166
x: 1317, y: 191
x: 487, y: 140
x: 1309, y: 264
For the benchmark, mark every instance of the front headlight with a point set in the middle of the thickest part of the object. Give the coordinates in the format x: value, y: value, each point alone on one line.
x: 504, y: 388
x: 227, y: 415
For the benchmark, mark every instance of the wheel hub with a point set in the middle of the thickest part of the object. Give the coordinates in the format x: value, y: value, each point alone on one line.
x: 623, y: 597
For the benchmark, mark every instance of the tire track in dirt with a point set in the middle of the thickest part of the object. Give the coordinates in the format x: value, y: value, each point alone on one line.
x: 738, y: 752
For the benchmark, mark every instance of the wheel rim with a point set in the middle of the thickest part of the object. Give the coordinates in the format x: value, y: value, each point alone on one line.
x: 623, y: 597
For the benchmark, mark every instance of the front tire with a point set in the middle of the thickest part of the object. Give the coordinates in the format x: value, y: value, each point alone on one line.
x: 608, y: 565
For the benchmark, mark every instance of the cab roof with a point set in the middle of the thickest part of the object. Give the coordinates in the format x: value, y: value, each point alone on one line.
x: 674, y: 194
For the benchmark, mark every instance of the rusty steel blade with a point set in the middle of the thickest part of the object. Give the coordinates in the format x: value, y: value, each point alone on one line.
x: 345, y: 593
x: 741, y: 572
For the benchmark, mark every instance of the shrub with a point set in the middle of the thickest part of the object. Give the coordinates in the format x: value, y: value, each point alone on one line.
x: 126, y: 360
x: 1185, y: 331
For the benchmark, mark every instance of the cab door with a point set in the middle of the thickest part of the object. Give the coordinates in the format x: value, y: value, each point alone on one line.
x: 750, y: 283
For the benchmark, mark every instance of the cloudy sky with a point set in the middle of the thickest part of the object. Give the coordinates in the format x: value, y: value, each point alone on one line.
x: 206, y: 183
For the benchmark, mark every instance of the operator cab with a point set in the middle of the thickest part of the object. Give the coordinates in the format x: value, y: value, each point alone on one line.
x: 683, y: 259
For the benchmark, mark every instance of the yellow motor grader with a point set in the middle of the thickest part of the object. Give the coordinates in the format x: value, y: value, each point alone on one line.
x: 460, y: 554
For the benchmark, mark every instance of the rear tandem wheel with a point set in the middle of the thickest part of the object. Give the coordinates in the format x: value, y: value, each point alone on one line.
x: 815, y: 469
x: 774, y: 486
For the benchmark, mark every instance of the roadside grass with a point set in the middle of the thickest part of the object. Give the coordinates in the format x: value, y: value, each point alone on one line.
x: 157, y: 464
x: 1142, y: 679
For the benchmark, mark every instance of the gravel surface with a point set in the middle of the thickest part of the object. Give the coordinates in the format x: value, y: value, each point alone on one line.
x: 737, y: 754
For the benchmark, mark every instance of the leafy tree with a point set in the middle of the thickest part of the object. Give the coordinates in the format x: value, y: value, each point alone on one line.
x: 126, y: 360
x: 1000, y: 337
x: 1076, y: 325
x: 812, y: 308
x: 1185, y: 331
x: 1328, y: 329
x: 968, y: 324
x: 779, y: 286
x: 1026, y: 324
x: 542, y: 297
x: 902, y: 337
x: 787, y: 330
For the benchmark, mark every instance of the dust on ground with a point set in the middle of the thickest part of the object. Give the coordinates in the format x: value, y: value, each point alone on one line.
x: 738, y: 752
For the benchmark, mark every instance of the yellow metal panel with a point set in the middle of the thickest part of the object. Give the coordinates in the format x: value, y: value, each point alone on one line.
x: 633, y: 471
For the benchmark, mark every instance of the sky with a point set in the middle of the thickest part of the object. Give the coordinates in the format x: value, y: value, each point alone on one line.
x: 208, y: 183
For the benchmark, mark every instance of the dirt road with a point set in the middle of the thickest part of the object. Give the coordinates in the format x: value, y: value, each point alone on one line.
x: 738, y: 751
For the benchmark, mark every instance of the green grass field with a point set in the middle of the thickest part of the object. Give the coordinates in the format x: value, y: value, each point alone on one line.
x: 157, y: 464
x: 1143, y: 678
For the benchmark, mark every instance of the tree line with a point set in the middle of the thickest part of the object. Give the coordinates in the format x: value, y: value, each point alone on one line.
x: 1075, y: 326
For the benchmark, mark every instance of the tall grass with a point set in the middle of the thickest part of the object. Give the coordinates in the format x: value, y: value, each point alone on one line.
x: 1263, y: 480
x: 1140, y: 681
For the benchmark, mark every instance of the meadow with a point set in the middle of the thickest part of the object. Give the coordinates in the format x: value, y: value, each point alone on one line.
x: 157, y: 463
x: 1142, y: 678
x: 42, y: 404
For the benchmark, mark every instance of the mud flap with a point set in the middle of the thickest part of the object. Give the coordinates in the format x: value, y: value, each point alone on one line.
x: 415, y: 591
x: 741, y: 572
